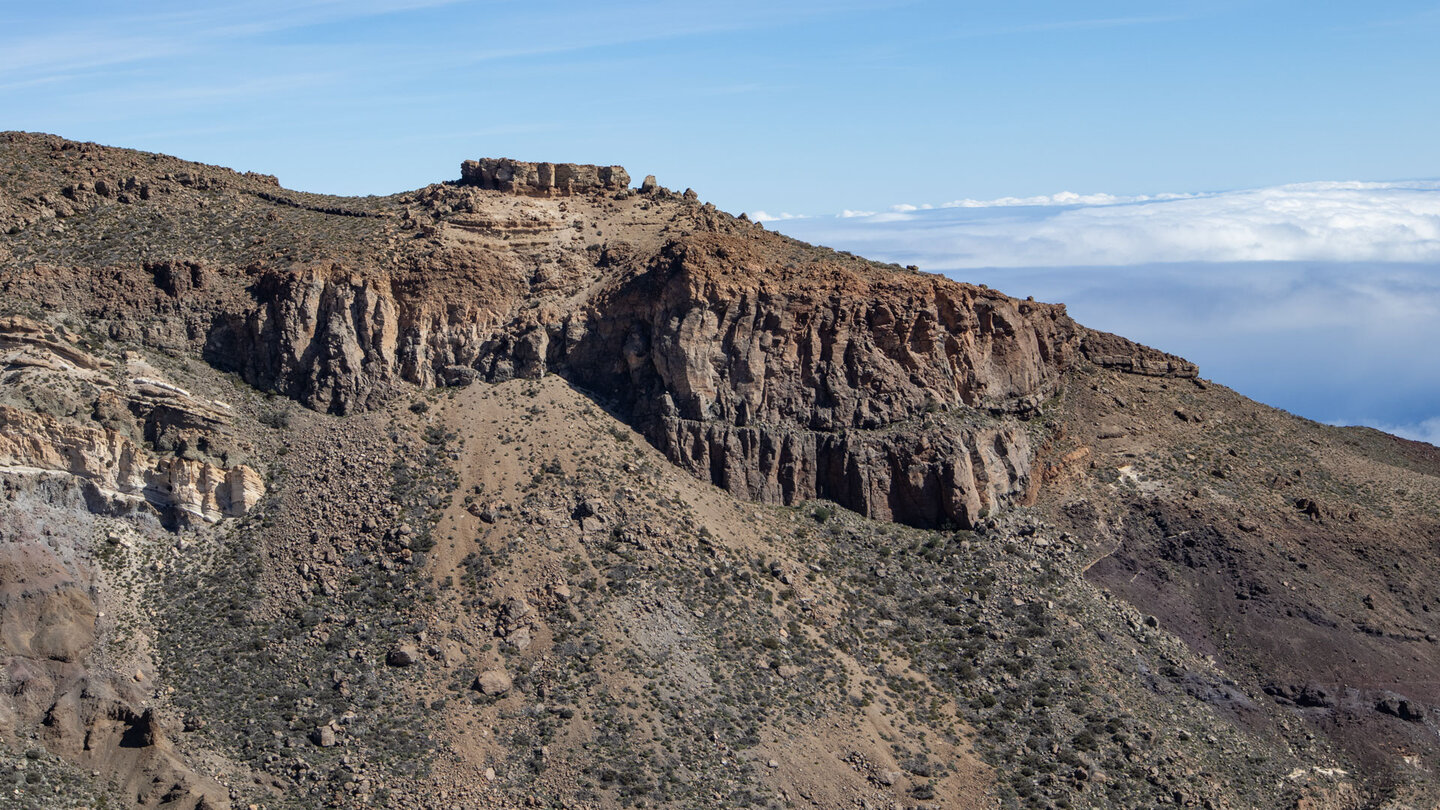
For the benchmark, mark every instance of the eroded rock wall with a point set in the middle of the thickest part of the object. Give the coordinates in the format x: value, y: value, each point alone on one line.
x: 119, y: 474
x: 524, y: 177
x: 931, y: 477
x: 778, y: 386
x: 127, y: 439
x: 781, y: 389
x: 714, y: 337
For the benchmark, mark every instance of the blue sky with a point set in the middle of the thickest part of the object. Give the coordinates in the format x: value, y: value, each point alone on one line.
x: 805, y: 106
x: 1320, y: 298
x: 1192, y: 135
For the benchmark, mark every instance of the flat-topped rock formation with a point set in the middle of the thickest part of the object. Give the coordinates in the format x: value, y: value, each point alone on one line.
x: 524, y: 177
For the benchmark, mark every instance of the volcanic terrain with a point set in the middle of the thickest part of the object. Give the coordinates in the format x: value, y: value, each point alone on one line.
x: 537, y: 489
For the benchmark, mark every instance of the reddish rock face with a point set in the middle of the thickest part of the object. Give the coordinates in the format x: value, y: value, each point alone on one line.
x: 777, y: 371
x: 778, y: 386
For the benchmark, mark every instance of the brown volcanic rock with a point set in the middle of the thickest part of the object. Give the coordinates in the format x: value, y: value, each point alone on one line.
x: 776, y: 371
x: 519, y: 176
x: 701, y: 345
x: 1112, y: 351
x: 932, y: 475
x: 825, y: 345
x: 767, y: 367
x: 779, y: 387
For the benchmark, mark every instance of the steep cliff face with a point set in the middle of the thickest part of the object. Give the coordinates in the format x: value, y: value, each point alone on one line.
x: 827, y: 346
x: 118, y: 475
x: 776, y: 383
x: 785, y: 384
x: 325, y: 338
x: 541, y: 178
x: 778, y: 371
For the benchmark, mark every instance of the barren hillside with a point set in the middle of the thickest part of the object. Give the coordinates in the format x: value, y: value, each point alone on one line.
x: 536, y: 489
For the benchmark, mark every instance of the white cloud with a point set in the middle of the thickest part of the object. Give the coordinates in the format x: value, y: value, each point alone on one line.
x: 1427, y: 430
x: 1063, y: 198
x: 765, y: 216
x: 1326, y: 221
x: 1320, y: 298
x: 43, y: 45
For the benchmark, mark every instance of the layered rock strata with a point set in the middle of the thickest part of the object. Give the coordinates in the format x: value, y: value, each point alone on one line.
x: 778, y: 371
x: 523, y: 177
x: 69, y: 418
x: 119, y: 475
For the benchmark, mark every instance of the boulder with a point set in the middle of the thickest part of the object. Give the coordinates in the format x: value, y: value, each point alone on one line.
x: 1400, y: 706
x: 403, y: 656
x: 493, y: 682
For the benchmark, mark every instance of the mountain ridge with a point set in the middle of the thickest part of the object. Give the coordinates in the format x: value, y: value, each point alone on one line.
x: 708, y: 497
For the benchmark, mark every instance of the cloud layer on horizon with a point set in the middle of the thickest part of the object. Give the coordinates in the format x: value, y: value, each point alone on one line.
x: 1319, y: 298
x: 1324, y: 221
x: 1427, y: 431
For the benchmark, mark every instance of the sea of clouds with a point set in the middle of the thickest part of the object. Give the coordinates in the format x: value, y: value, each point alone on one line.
x: 1320, y: 298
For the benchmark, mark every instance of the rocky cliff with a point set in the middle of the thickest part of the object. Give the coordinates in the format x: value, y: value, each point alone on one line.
x: 127, y: 441
x: 300, y: 491
x: 542, y: 178
x: 774, y: 370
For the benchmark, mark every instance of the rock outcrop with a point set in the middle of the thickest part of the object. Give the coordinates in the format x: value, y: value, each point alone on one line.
x: 775, y: 370
x: 118, y: 475
x: 776, y: 386
x: 932, y: 475
x: 1122, y: 354
x: 523, y: 177
x: 785, y: 387
x: 131, y: 443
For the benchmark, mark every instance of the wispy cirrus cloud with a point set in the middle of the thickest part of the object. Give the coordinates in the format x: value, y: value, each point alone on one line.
x: 103, y: 37
x: 28, y: 51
